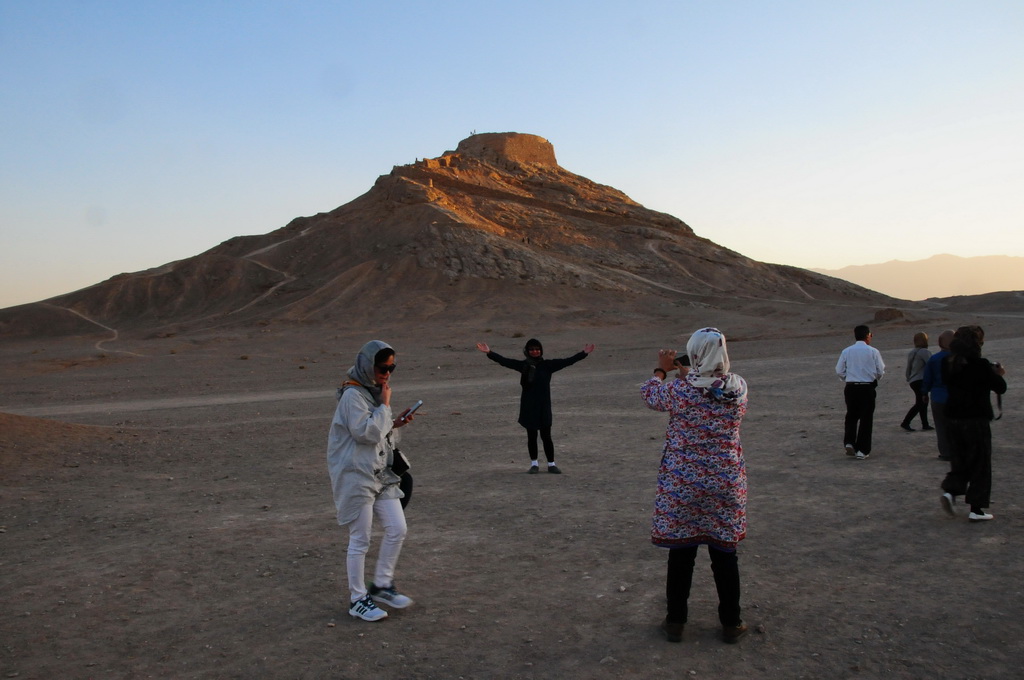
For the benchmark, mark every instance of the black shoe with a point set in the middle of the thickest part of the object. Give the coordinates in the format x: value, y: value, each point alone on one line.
x: 927, y: 427
x: 673, y: 631
x: 553, y: 469
x: 533, y: 470
x: 906, y: 427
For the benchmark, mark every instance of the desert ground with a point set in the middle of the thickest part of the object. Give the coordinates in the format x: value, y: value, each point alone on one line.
x: 166, y: 513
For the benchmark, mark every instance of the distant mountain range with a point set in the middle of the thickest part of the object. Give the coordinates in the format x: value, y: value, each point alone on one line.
x: 938, y: 276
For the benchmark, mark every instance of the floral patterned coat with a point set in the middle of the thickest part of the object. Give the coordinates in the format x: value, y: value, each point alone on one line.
x: 702, y: 482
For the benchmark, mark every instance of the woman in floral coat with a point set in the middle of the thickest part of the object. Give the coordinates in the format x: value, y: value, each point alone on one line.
x: 702, y: 482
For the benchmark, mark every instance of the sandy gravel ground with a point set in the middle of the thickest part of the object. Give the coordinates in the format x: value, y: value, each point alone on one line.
x: 167, y: 513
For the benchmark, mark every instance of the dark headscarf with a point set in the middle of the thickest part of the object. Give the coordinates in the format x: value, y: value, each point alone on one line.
x: 362, y: 371
x: 530, y: 368
x: 966, y: 345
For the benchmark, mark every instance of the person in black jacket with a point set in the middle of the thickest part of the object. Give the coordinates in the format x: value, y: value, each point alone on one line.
x: 970, y: 380
x: 535, y: 402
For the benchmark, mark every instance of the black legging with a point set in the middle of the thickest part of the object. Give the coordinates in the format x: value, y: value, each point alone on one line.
x: 725, y: 567
x: 920, y: 405
x: 545, y: 436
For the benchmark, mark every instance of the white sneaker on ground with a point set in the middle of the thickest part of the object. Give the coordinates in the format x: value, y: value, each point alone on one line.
x: 984, y: 516
x: 367, y: 610
x: 947, y: 502
x: 390, y: 596
x: 862, y: 456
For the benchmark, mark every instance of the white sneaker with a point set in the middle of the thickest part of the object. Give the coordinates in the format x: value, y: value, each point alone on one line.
x: 390, y: 596
x: 984, y: 516
x: 862, y: 456
x: 367, y: 610
x: 849, y: 449
x: 947, y: 501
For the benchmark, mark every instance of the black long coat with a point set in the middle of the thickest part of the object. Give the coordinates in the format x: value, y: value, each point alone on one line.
x: 535, y: 401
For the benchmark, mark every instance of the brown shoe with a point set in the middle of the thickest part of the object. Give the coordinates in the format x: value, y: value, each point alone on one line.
x: 673, y: 631
x: 734, y: 633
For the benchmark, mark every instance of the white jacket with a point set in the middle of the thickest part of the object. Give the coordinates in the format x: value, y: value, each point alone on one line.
x: 359, y: 453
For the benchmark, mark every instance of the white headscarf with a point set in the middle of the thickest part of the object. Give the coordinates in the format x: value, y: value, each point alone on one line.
x: 709, y: 366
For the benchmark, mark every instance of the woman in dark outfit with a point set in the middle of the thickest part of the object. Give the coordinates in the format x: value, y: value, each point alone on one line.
x: 535, y: 402
x: 970, y: 380
x: 917, y: 359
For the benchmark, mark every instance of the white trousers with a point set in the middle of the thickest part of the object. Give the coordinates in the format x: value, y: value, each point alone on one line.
x: 392, y: 519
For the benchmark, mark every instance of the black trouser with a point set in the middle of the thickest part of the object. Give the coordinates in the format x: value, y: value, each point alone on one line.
x: 545, y: 436
x: 941, y: 429
x: 725, y: 567
x: 860, y: 412
x: 970, y: 472
x: 920, y: 404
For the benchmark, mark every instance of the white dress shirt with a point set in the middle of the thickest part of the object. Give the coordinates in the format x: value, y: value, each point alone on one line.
x: 860, y: 363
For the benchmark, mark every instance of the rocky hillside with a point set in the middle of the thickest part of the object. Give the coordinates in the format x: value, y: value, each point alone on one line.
x: 492, y: 228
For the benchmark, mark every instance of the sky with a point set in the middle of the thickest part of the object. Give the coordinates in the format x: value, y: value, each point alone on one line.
x: 818, y: 134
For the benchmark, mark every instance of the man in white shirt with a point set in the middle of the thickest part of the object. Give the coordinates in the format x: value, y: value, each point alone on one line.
x: 861, y: 367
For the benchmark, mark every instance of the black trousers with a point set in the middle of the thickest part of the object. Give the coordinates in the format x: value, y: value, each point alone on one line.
x: 531, y: 443
x: 724, y: 566
x: 860, y: 414
x: 970, y: 471
x: 920, y: 404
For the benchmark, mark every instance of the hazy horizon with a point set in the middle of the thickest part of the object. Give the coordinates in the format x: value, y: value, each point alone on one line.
x: 941, y: 275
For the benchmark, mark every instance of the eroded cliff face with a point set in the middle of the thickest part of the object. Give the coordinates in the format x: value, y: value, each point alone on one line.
x: 496, y: 222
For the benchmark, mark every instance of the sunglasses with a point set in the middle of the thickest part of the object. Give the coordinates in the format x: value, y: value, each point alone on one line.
x: 385, y: 369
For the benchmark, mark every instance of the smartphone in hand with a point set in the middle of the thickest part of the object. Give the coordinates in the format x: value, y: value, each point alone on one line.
x: 412, y: 409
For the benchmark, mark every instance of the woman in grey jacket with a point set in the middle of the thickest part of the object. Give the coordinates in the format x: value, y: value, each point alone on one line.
x: 360, y: 449
x: 917, y: 359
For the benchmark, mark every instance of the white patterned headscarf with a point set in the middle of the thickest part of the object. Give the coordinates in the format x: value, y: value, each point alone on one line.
x: 709, y: 366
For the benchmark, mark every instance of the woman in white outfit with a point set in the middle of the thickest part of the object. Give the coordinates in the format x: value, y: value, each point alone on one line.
x: 360, y: 448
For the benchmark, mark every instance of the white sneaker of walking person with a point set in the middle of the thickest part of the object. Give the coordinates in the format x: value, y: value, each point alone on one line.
x: 390, y: 596
x: 947, y: 501
x: 367, y: 610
